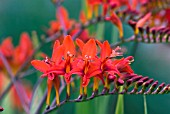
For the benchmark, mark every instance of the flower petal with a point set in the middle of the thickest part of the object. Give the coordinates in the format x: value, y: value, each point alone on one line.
x: 82, y: 17
x: 90, y: 49
x: 57, y: 52
x: 69, y: 46
x: 93, y: 70
x: 106, y: 50
x: 40, y: 65
x: 99, y: 43
x: 143, y: 20
x: 24, y: 49
x: 80, y: 43
x: 101, y: 78
x: 7, y: 47
x: 67, y: 78
x: 78, y: 71
x: 85, y: 81
x: 51, y: 76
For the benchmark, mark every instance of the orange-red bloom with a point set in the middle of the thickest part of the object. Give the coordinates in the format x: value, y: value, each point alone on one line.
x: 87, y: 65
x: 83, y: 65
x: 15, y: 56
x: 64, y: 23
x: 59, y: 64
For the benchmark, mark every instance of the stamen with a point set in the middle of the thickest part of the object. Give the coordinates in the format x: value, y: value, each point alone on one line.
x: 86, y: 56
x: 69, y: 54
x: 46, y: 60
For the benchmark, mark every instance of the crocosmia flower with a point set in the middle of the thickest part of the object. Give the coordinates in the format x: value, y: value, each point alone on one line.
x: 65, y: 61
x: 59, y: 64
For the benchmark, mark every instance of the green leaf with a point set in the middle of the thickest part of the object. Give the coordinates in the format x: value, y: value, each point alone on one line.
x: 102, y: 105
x: 115, y: 34
x: 120, y: 103
x: 37, y: 96
x: 84, y: 108
x: 100, y: 31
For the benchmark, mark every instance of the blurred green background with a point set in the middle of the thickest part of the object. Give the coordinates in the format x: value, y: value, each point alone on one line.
x: 153, y: 60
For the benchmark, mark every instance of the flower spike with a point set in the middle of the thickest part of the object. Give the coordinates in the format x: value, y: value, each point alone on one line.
x: 105, y: 68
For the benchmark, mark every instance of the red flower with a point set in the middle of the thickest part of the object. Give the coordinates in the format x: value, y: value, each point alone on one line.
x: 105, y: 61
x: 85, y: 66
x: 57, y: 66
x: 63, y: 22
x: 123, y: 66
x: 7, y: 49
x: 16, y: 57
x: 23, y: 50
x: 48, y: 68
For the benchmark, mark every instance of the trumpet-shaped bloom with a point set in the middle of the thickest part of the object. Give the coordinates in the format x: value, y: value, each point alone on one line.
x: 51, y: 71
x: 84, y: 65
x: 59, y: 64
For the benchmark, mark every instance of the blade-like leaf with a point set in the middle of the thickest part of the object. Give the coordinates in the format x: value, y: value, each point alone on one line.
x: 100, y: 31
x: 37, y: 96
x: 120, y: 104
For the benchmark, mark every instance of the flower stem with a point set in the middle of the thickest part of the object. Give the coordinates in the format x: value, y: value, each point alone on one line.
x: 145, y: 104
x: 68, y: 91
x: 56, y: 83
x: 81, y: 87
x: 85, y: 90
x: 96, y: 84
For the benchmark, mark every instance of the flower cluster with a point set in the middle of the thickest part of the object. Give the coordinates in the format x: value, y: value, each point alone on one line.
x: 64, y: 24
x: 65, y: 62
x: 16, y: 56
x: 115, y: 11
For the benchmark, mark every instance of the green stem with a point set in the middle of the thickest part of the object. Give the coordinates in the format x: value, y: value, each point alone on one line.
x: 120, y: 103
x: 145, y: 104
